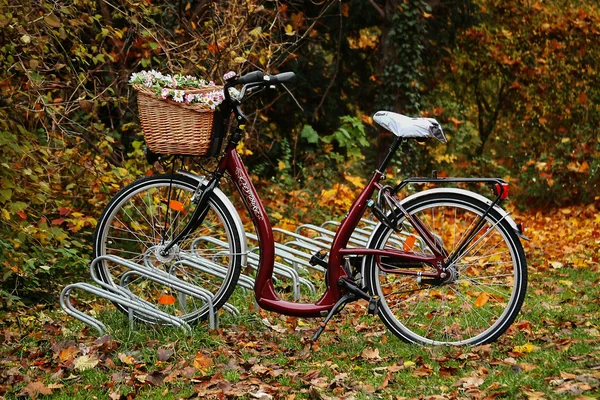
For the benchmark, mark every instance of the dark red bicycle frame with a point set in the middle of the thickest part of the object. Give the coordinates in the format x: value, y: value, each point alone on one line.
x: 264, y: 290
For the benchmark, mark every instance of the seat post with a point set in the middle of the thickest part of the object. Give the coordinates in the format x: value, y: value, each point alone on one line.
x: 392, y: 150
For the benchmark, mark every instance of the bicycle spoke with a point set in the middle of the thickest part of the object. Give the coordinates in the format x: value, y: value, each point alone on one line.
x: 470, y: 306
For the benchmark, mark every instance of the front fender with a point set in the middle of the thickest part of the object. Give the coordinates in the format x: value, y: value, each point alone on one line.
x: 239, y: 226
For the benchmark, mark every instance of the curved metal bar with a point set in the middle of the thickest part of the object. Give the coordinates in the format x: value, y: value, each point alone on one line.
x: 154, y: 275
x: 123, y: 299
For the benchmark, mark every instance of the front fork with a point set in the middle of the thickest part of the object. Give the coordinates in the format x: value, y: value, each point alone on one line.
x: 202, y: 195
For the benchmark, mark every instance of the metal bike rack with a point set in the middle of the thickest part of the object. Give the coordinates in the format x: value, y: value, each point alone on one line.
x: 296, y: 252
x: 134, y: 304
x: 253, y: 261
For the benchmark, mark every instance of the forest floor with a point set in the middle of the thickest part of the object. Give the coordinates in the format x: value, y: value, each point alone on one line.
x: 551, y: 351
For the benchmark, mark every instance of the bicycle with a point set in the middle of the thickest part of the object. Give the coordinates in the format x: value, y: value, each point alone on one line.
x: 442, y: 266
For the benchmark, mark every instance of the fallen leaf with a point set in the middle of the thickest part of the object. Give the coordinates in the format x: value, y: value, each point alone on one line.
x: 125, y: 359
x: 481, y: 300
x: 164, y: 353
x: 176, y: 205
x: 85, y: 362
x: 261, y: 395
x: 67, y: 353
x: 36, y: 388
x: 526, y: 348
x: 202, y: 362
x: 470, y: 382
x: 370, y: 354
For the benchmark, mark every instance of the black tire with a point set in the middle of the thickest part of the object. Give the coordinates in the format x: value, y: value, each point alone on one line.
x: 489, y: 282
x: 140, y: 218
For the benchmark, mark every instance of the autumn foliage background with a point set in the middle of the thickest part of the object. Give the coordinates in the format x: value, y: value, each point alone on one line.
x: 515, y: 84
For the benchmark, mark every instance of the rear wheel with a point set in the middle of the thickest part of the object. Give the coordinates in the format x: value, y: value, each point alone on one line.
x: 486, y: 284
x: 146, y: 215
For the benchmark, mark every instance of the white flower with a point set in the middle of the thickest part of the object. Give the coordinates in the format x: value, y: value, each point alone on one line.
x: 178, y: 96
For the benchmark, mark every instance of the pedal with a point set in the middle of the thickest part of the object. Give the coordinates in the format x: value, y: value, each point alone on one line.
x: 319, y: 259
x: 373, y: 305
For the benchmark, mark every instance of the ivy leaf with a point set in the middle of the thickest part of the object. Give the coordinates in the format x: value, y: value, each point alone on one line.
x: 309, y: 134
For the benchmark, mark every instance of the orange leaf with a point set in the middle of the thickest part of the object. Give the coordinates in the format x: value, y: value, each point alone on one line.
x: 166, y: 299
x: 409, y: 243
x: 67, y: 353
x: 176, y: 205
x: 482, y: 299
x: 202, y: 362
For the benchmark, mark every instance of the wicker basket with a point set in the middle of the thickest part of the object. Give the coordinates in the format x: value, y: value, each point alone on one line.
x: 172, y: 128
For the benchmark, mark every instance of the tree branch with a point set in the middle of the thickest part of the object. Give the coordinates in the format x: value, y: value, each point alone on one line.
x: 378, y: 8
x: 337, y: 67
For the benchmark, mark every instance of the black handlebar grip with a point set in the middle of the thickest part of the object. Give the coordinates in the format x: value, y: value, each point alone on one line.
x: 251, y: 77
x: 283, y: 77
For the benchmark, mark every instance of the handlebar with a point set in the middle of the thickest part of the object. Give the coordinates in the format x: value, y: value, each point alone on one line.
x: 253, y: 82
x: 251, y: 77
x: 260, y: 77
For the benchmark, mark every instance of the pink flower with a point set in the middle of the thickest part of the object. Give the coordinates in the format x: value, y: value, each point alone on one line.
x: 164, y: 93
x: 189, y: 98
x: 229, y: 75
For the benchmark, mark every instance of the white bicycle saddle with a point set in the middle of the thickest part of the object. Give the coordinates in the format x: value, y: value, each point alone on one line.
x: 407, y: 127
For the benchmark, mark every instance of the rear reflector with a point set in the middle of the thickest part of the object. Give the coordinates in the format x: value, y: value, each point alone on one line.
x: 501, y: 189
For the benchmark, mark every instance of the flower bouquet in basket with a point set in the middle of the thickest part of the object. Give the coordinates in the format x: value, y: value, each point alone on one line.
x: 178, y: 113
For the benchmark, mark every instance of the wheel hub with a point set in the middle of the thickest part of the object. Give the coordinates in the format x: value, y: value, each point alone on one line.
x: 168, y: 256
x: 450, y: 275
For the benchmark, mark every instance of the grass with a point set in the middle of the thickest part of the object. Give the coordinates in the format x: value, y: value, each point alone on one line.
x: 552, y: 351
x: 355, y: 358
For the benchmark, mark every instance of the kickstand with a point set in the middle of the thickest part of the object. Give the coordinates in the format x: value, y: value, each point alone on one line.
x: 347, y: 298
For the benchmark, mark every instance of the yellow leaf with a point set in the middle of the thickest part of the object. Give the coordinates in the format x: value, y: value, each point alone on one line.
x: 202, y: 362
x: 289, y: 30
x: 355, y: 180
x: 281, y: 165
x: 5, y: 214
x: 526, y: 348
x: 242, y: 150
x: 482, y: 299
x: 125, y: 359
x: 85, y: 362
x: 256, y: 31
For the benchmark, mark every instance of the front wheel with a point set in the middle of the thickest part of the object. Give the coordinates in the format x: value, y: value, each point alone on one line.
x: 486, y: 285
x: 146, y: 215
